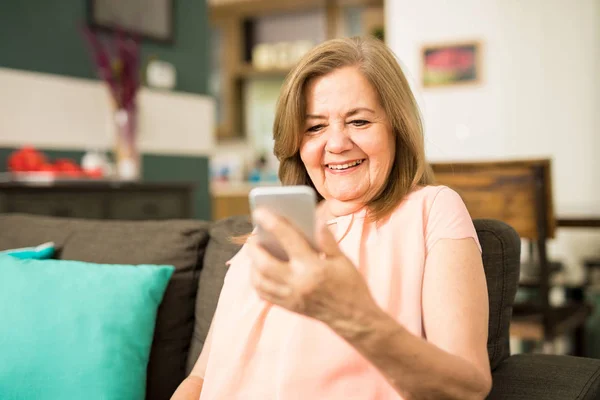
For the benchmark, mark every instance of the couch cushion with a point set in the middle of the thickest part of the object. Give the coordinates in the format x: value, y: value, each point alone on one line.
x: 20, y: 230
x: 548, y: 377
x: 501, y: 254
x: 80, y: 330
x: 219, y: 250
x: 177, y: 243
x: 42, y: 252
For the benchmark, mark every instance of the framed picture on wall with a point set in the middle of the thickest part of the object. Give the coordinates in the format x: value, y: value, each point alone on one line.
x: 451, y: 64
x: 150, y: 19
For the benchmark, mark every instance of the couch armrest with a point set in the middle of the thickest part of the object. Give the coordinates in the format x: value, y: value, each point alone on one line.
x: 538, y: 376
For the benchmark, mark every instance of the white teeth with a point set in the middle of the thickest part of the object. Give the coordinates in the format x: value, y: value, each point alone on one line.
x: 345, y: 166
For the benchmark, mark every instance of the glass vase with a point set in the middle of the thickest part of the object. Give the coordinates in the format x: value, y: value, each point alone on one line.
x: 127, y: 156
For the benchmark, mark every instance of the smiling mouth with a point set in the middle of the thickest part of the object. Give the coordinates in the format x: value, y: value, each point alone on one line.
x: 341, y: 167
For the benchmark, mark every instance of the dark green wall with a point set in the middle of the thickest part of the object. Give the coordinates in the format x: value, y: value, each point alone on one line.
x: 168, y: 168
x: 45, y: 36
x: 156, y: 168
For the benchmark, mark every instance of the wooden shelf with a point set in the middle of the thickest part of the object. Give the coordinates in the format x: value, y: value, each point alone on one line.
x: 245, y: 8
x: 248, y: 71
x: 236, y: 21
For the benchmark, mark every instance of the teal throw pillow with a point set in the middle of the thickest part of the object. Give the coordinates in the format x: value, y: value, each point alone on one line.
x: 75, y: 330
x: 41, y: 252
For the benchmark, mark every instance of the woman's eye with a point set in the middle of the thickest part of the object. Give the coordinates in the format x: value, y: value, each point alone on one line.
x: 359, y: 122
x: 315, y: 128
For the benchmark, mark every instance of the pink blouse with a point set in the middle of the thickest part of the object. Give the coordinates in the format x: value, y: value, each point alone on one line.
x: 262, y: 351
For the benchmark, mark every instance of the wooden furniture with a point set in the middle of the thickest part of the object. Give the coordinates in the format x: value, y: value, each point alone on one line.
x: 582, y: 221
x: 99, y: 200
x: 520, y: 194
x: 234, y: 24
x: 230, y: 199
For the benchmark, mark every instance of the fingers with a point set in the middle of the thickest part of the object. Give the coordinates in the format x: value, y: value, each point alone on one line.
x: 293, y: 242
x: 268, y: 275
x: 270, y: 267
x: 322, y: 213
x: 326, y: 241
x: 268, y: 289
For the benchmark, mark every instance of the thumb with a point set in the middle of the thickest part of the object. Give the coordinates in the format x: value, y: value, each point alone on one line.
x: 326, y: 241
x: 322, y: 213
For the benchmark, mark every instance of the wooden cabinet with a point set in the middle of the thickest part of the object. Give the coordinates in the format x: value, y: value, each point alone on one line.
x: 100, y: 200
x: 226, y: 206
x: 59, y: 204
x: 229, y: 199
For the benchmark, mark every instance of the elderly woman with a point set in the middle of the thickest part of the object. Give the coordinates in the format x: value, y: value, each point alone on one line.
x: 393, y: 304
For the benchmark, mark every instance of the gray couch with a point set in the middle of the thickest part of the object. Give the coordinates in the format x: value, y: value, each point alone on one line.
x: 199, y: 250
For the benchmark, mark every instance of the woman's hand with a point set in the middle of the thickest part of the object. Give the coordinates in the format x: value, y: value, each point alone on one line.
x: 322, y: 284
x: 325, y: 285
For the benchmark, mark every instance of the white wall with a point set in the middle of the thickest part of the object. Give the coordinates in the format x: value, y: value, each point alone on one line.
x: 540, y: 95
x: 54, y: 111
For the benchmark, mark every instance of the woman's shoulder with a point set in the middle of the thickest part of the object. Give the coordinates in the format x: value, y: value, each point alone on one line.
x: 422, y: 201
x: 427, y: 193
x: 424, y: 197
x: 439, y: 210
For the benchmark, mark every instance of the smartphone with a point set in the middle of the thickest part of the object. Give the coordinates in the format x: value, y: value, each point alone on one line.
x: 297, y: 204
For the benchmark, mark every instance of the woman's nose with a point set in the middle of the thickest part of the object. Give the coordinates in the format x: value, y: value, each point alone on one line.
x: 338, y: 140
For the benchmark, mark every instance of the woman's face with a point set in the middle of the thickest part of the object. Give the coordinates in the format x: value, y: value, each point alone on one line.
x: 348, y: 147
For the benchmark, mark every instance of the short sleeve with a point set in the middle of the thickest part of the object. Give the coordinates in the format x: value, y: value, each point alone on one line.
x: 448, y: 218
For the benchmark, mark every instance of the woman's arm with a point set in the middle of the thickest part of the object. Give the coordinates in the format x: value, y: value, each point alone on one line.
x: 453, y: 362
x: 191, y: 387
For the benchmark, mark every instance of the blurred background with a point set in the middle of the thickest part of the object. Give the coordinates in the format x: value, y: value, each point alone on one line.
x: 164, y: 109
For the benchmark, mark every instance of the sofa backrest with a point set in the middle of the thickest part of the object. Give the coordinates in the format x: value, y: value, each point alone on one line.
x: 501, y: 248
x: 198, y: 249
x: 501, y: 259
x: 177, y: 243
x: 219, y: 250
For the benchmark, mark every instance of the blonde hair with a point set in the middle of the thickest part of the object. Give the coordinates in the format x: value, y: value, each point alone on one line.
x: 379, y: 65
